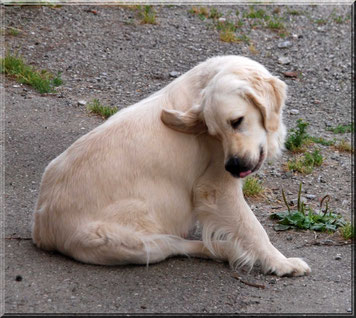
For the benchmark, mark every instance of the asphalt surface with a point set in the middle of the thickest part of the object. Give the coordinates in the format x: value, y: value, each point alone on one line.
x: 121, y: 68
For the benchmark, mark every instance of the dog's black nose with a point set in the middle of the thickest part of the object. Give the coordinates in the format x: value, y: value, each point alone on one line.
x: 236, y: 165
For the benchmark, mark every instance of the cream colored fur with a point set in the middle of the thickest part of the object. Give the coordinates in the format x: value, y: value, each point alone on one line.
x: 130, y: 190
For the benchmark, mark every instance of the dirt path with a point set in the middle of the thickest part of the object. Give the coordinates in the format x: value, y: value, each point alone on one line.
x: 105, y: 53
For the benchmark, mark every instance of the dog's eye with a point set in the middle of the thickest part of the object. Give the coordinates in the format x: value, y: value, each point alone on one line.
x: 236, y: 122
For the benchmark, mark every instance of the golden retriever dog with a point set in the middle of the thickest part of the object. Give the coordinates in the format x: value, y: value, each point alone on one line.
x: 129, y: 191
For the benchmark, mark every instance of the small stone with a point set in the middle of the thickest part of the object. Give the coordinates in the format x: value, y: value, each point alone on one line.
x: 273, y: 281
x: 338, y: 257
x: 174, y: 74
x: 222, y: 20
x: 289, y: 238
x: 143, y: 307
x: 18, y: 278
x: 15, y: 86
x: 284, y: 60
x: 294, y: 111
x: 310, y: 196
x: 285, y: 44
x: 82, y: 102
x: 295, y: 36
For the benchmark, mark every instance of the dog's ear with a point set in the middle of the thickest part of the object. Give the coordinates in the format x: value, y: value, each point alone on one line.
x: 272, y: 104
x: 188, y: 122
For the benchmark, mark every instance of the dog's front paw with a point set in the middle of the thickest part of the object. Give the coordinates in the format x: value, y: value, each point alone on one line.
x: 290, y: 267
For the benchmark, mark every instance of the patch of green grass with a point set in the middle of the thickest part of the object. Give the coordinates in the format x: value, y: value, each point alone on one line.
x: 147, y: 14
x: 306, y: 218
x: 13, y: 31
x: 256, y: 14
x: 97, y: 108
x: 306, y: 163
x: 41, y: 80
x: 320, y: 21
x: 298, y: 137
x: 243, y: 38
x: 276, y: 24
x: 342, y: 129
x: 348, y: 231
x: 322, y: 141
x: 252, y: 187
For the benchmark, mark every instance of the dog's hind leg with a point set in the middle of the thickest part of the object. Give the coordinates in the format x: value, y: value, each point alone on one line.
x: 113, y: 244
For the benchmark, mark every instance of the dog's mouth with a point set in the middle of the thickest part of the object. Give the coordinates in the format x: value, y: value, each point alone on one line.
x: 239, y: 170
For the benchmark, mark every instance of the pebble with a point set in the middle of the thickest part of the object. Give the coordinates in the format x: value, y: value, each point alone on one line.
x: 284, y: 60
x: 82, y: 102
x: 289, y: 238
x: 222, y: 20
x: 294, y: 111
x: 16, y: 86
x: 321, y: 180
x: 338, y: 257
x: 285, y: 44
x: 174, y: 74
x: 310, y: 196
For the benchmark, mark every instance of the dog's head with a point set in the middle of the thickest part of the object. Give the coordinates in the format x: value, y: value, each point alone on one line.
x: 243, y: 111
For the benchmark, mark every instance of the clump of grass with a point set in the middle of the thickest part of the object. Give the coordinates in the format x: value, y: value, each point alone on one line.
x: 348, y: 231
x: 306, y: 218
x: 42, y: 80
x: 227, y: 31
x: 147, y: 14
x: 243, y: 38
x: 294, y: 12
x: 276, y: 24
x: 322, y: 141
x: 298, y: 137
x: 306, y: 163
x: 342, y: 129
x: 97, y: 108
x: 252, y: 187
x: 228, y: 36
x: 344, y: 146
x: 256, y: 14
x: 214, y: 14
x: 320, y: 21
x: 13, y: 31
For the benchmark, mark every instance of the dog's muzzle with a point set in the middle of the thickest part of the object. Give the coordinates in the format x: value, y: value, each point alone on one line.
x: 241, y: 168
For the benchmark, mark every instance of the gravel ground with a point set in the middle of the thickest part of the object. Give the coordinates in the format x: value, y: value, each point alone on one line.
x: 105, y: 52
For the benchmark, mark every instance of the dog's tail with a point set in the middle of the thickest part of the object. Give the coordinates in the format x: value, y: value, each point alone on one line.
x: 105, y: 243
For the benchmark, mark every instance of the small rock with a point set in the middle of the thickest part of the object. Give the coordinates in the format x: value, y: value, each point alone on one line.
x: 284, y: 60
x: 310, y: 196
x: 338, y: 257
x: 174, y: 74
x: 18, y: 278
x: 295, y: 36
x: 222, y: 20
x: 82, y: 102
x: 321, y: 179
x: 285, y: 44
x: 289, y: 238
x: 290, y: 74
x: 273, y: 281
x: 294, y: 111
x: 15, y: 86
